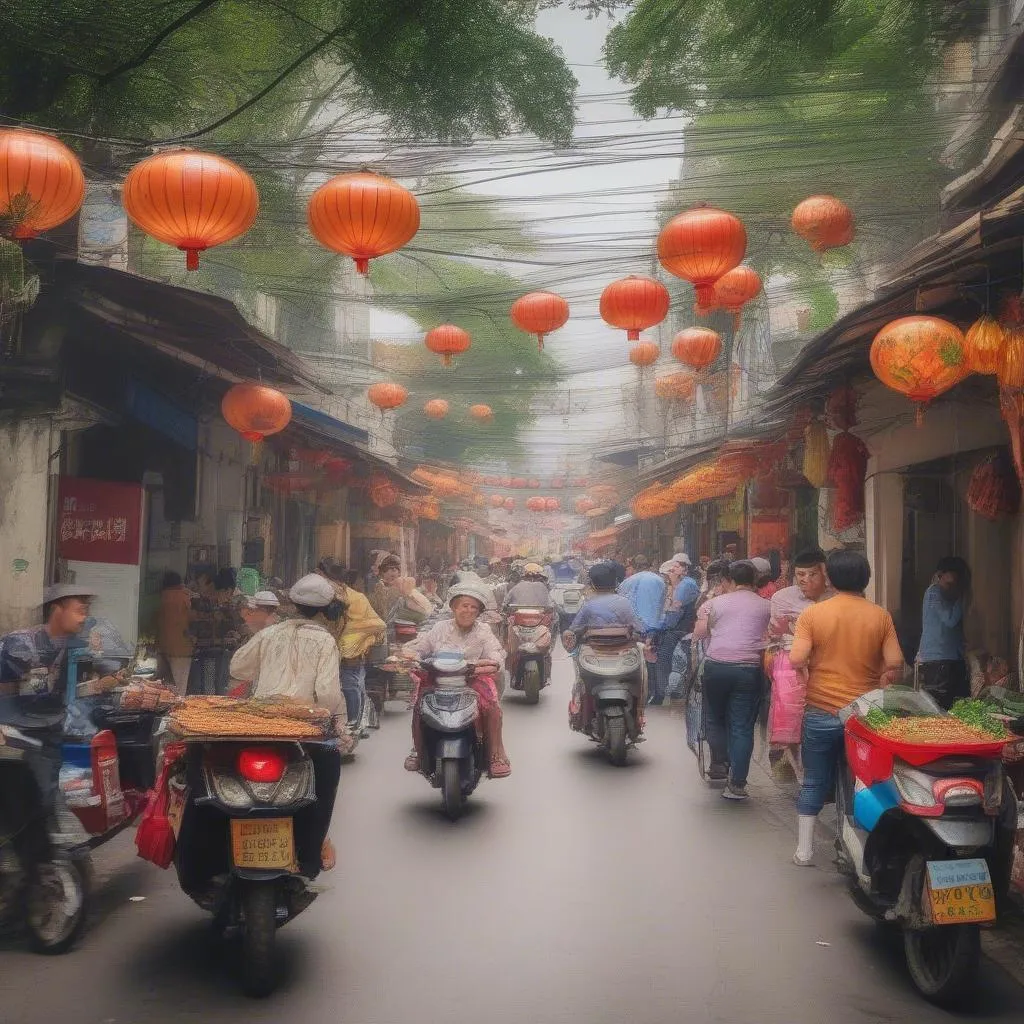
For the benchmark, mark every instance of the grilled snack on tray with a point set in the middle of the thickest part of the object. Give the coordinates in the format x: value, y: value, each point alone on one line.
x: 278, y: 717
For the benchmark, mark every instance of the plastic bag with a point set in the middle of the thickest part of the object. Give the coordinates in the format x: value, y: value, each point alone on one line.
x: 789, y: 692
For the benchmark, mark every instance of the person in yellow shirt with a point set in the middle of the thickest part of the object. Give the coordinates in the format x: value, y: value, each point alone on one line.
x: 356, y: 632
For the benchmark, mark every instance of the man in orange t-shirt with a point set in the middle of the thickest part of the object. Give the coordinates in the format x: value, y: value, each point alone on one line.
x: 846, y: 646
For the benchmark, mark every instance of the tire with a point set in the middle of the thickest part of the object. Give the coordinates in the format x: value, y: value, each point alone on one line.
x: 259, y: 931
x: 615, y: 737
x: 56, y: 907
x: 451, y: 788
x: 531, y: 682
x: 943, y: 961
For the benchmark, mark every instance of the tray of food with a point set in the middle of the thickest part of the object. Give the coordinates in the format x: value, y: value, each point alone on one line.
x: 214, y: 717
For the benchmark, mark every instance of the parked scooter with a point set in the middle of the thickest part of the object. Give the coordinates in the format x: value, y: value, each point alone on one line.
x: 918, y: 839
x: 568, y: 599
x: 43, y: 872
x: 247, y: 842
x: 454, y: 757
x: 611, y: 672
x: 529, y: 651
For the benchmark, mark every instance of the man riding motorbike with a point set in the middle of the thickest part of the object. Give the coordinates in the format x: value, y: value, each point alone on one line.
x: 298, y: 658
x: 475, y: 640
x: 531, y: 591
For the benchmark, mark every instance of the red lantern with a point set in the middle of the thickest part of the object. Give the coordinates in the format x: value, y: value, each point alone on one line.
x: 919, y: 356
x: 363, y: 215
x: 539, y: 313
x: 734, y: 289
x: 676, y: 386
x: 41, y: 182
x: 510, y: 504
x: 497, y: 501
x: 448, y: 341
x: 700, y: 245
x: 190, y: 200
x: 535, y: 504
x: 697, y: 347
x: 436, y: 408
x: 633, y: 304
x: 552, y: 504
x: 824, y: 222
x: 534, y: 485
x: 645, y: 353
x: 517, y: 481
x: 256, y: 411
x: 383, y: 493
x: 481, y: 413
x: 387, y: 395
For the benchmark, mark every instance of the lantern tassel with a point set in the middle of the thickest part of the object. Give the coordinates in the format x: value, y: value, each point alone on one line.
x: 540, y: 342
x: 362, y: 265
x: 705, y: 294
x: 919, y: 415
x: 191, y: 259
x: 255, y: 452
x: 446, y: 360
x: 633, y: 335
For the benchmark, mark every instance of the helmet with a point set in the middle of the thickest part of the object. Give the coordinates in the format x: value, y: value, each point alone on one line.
x: 470, y: 588
x: 532, y: 569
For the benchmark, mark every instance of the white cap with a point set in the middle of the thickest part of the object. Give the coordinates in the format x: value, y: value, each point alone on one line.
x: 682, y: 558
x: 313, y: 591
x: 264, y: 599
x: 666, y: 567
x: 62, y: 590
x: 470, y: 588
x: 762, y: 565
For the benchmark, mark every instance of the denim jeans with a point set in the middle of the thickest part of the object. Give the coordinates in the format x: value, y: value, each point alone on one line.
x: 353, y: 686
x: 658, y: 679
x: 732, y: 696
x: 821, y: 745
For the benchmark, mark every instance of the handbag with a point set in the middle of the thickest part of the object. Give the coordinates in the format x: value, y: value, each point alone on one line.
x: 154, y: 838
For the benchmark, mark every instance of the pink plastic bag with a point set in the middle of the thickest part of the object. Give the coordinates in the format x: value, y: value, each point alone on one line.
x: 786, y: 717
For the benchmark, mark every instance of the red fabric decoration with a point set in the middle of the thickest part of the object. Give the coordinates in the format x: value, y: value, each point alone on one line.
x: 994, y: 490
x: 841, y: 408
x: 847, y: 466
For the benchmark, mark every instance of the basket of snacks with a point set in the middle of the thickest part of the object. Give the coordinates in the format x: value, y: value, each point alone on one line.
x: 270, y: 718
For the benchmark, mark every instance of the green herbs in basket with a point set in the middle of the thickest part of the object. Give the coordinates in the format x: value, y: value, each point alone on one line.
x: 979, y: 714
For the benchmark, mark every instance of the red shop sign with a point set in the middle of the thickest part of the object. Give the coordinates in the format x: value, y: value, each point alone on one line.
x: 99, y: 521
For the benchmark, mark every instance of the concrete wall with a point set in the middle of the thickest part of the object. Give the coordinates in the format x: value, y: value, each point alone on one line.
x: 25, y: 448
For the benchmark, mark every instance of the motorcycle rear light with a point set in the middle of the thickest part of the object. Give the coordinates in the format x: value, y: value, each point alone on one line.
x: 917, y: 795
x: 261, y: 764
x: 528, y: 618
x: 959, y: 792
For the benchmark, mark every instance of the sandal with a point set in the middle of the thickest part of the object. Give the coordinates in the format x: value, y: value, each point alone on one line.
x: 328, y: 856
x: 412, y: 762
x: 499, y: 768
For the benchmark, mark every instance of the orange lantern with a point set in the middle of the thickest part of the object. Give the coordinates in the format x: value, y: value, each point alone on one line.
x: 510, y: 504
x: 633, y: 304
x: 363, y: 215
x: 700, y: 245
x: 676, y: 386
x: 984, y: 339
x: 447, y: 341
x: 41, y: 182
x: 387, y: 395
x: 436, y: 408
x: 919, y: 356
x: 190, y: 200
x: 645, y: 353
x: 539, y: 313
x: 535, y: 504
x: 697, y: 347
x: 1011, y: 360
x: 534, y: 485
x: 481, y: 413
x: 383, y: 493
x: 734, y: 289
x: 497, y: 501
x: 824, y: 222
x: 552, y: 504
x: 517, y: 481
x: 256, y: 411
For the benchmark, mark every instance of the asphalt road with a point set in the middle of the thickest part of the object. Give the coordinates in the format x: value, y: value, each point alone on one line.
x: 571, y: 892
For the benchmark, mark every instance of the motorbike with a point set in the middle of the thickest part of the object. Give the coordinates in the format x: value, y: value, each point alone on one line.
x: 529, y: 651
x: 610, y: 671
x: 44, y: 873
x: 454, y: 757
x: 388, y: 680
x: 568, y: 599
x: 246, y: 840
x: 918, y: 839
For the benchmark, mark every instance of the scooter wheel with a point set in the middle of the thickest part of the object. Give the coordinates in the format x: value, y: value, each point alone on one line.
x: 943, y: 961
x: 615, y: 735
x: 451, y: 788
x: 57, y: 906
x: 531, y: 683
x: 259, y: 931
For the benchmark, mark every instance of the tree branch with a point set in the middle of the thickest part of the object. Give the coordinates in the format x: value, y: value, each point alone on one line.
x: 139, y: 59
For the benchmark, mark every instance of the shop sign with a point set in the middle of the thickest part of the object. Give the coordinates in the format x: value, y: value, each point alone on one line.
x: 99, y: 521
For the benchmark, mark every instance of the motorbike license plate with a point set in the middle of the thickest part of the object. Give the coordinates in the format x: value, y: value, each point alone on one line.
x: 263, y: 843
x: 960, y: 891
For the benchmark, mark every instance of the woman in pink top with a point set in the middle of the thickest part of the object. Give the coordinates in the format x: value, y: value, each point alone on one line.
x: 735, y: 623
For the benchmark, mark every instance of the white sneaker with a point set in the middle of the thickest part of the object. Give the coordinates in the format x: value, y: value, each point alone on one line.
x: 734, y: 792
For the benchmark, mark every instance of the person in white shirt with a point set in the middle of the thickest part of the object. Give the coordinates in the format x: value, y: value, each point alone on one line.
x: 299, y: 658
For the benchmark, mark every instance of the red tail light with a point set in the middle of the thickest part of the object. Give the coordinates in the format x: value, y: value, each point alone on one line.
x: 959, y: 792
x: 528, y: 618
x: 261, y: 764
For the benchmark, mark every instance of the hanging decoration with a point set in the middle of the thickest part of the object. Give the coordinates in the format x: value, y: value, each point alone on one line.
x: 497, y: 501
x: 633, y: 304
x: 552, y: 505
x: 517, y: 482
x: 841, y: 408
x: 387, y: 395
x: 698, y: 347
x: 256, y: 411
x: 921, y: 357
x: 816, y: 453
x: 644, y: 353
x: 847, y: 466
x: 584, y: 505
x: 447, y: 341
x: 363, y: 215
x: 984, y: 342
x: 535, y: 503
x: 1011, y: 359
x: 41, y: 183
x: 824, y: 222
x: 190, y: 200
x: 557, y: 482
x: 734, y: 289
x: 482, y: 414
x: 510, y: 504
x: 436, y: 408
x: 426, y: 507
x: 540, y: 313
x: 993, y: 490
x: 681, y: 386
x: 533, y: 484
x: 700, y: 245
x: 383, y: 493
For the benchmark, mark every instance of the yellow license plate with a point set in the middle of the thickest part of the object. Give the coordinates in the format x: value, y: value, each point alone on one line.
x: 263, y: 843
x: 960, y: 892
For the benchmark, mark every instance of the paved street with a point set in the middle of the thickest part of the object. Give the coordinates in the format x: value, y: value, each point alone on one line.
x: 573, y: 892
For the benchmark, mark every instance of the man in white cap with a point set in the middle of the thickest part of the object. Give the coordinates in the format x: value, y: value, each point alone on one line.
x: 260, y: 610
x: 298, y: 658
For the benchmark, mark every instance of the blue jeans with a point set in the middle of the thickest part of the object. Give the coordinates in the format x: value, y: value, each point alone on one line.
x: 820, y: 747
x: 657, y: 680
x: 353, y: 686
x: 732, y: 697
